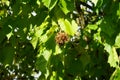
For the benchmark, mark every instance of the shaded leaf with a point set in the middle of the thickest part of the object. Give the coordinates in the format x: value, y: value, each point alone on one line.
x: 41, y: 64
x: 107, y: 26
x: 7, y: 55
x: 42, y: 61
x: 98, y: 3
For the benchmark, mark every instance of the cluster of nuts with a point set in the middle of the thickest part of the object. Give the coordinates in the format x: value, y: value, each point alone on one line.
x: 61, y: 38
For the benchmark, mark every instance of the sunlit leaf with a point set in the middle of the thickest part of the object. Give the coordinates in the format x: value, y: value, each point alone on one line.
x: 92, y: 27
x: 115, y: 75
x: 34, y: 42
x: 2, y: 12
x: 95, y: 2
x: 49, y: 3
x: 66, y: 6
x: 117, y: 41
x: 113, y: 57
x: 28, y: 30
x: 68, y: 27
x: 34, y: 39
x: 6, y: 2
x: 118, y: 11
x: 97, y: 36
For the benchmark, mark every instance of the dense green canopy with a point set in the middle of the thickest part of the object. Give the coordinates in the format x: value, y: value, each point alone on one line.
x: 59, y: 39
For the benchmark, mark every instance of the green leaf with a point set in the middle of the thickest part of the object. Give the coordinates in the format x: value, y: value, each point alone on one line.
x: 2, y: 12
x: 107, y: 27
x: 118, y: 11
x: 117, y: 41
x: 66, y: 6
x: 69, y: 28
x: 92, y: 27
x: 53, y: 77
x: 34, y: 42
x: 6, y: 2
x: 85, y: 59
x: 97, y: 36
x: 98, y: 3
x: 113, y: 57
x: 6, y: 55
x: 116, y: 75
x: 39, y: 18
x: 49, y: 3
x: 16, y: 9
x: 73, y: 66
x: 9, y: 34
x: 4, y: 32
x: 95, y: 2
x: 48, y: 44
x: 41, y: 64
x: 35, y: 37
x: 42, y: 61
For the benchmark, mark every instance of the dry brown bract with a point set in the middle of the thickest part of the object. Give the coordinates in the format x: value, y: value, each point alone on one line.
x: 61, y: 38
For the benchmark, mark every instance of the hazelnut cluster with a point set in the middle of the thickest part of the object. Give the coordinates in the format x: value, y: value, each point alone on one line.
x: 61, y: 38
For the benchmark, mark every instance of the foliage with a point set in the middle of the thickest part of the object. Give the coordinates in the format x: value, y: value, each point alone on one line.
x: 61, y: 39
